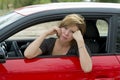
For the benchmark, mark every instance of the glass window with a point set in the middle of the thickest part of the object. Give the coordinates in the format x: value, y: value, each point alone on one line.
x: 8, y: 19
x: 102, y: 26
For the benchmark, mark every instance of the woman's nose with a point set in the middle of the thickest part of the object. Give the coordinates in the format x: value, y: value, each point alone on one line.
x: 66, y: 32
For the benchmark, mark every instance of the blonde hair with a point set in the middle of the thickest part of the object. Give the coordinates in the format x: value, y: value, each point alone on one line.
x: 74, y: 19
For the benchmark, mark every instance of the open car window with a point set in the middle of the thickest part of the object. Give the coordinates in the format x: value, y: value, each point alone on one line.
x: 34, y: 31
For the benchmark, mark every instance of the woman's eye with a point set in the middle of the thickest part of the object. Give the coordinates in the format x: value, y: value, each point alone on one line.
x: 72, y: 31
x: 65, y: 27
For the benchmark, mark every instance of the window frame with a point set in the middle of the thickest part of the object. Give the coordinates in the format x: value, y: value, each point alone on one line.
x: 104, y: 17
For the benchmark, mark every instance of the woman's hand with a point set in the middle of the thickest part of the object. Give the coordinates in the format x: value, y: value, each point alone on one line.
x: 78, y: 36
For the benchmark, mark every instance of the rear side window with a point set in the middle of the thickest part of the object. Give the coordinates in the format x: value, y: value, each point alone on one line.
x: 102, y: 26
x: 96, y: 35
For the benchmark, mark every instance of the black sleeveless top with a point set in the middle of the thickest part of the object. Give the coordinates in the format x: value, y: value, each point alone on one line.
x: 48, y: 45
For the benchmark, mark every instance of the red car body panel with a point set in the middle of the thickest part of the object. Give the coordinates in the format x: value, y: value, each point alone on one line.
x: 64, y: 68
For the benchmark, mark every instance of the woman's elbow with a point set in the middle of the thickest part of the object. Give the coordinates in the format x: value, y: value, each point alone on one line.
x: 87, y: 69
x: 26, y: 55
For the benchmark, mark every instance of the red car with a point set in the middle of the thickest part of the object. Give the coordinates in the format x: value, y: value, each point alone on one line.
x: 20, y: 27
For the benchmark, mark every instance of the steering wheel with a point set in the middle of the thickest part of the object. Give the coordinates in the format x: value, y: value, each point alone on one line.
x: 17, y: 49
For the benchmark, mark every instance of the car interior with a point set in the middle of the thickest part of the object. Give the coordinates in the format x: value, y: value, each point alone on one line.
x: 92, y: 38
x: 95, y: 42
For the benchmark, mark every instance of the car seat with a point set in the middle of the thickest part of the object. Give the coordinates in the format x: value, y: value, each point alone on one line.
x: 92, y: 36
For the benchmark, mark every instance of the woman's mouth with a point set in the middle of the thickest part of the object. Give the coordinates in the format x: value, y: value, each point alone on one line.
x: 65, y: 37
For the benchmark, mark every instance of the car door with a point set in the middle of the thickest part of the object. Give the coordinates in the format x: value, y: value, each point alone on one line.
x: 41, y: 68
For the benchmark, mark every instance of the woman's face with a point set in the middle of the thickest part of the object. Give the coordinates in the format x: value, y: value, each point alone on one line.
x: 67, y: 33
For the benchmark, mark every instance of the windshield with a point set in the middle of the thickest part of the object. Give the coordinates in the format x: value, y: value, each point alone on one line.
x: 8, y: 19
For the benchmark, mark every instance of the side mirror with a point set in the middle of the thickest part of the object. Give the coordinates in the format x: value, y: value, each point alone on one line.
x: 2, y: 55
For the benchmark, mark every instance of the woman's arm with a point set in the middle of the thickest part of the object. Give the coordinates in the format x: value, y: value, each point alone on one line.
x: 33, y: 49
x: 85, y: 59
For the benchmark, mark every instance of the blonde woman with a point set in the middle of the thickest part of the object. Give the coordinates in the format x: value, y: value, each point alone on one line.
x: 69, y: 42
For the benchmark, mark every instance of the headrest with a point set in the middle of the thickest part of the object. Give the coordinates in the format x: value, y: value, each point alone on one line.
x: 91, y: 29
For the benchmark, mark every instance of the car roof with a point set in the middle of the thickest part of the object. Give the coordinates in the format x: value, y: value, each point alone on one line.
x: 66, y: 5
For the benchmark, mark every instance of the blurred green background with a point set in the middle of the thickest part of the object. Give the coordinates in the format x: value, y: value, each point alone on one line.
x: 8, y: 5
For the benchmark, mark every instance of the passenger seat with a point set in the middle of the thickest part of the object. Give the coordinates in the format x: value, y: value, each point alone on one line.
x: 92, y: 36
